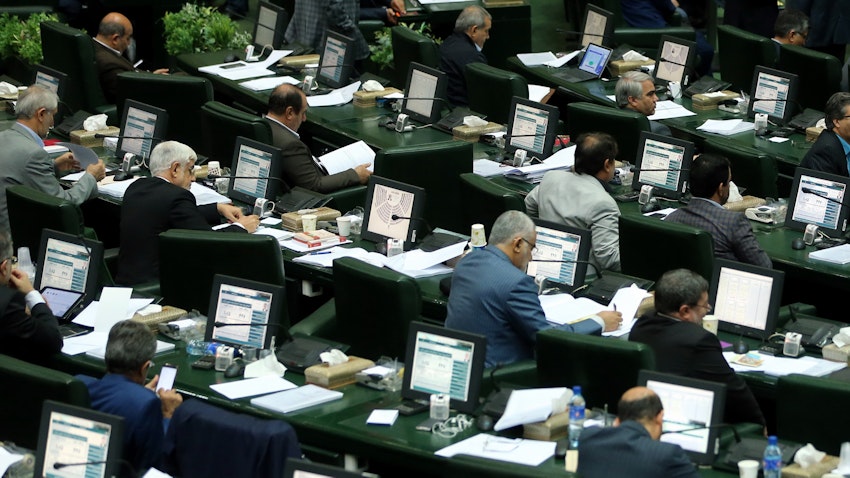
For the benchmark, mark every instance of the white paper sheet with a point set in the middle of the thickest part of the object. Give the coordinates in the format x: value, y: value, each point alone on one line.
x: 276, y: 233
x: 486, y: 168
x: 382, y: 417
x: 327, y: 257
x: 417, y: 259
x: 559, y: 62
x: 252, y: 386
x: 204, y: 195
x: 537, y: 92
x: 241, y: 70
x: 114, y: 302
x: 8, y: 459
x: 530, y: 406
x: 536, y: 59
x: 669, y: 109
x: 348, y: 157
x: 726, y: 127
x: 83, y: 343
x: 779, y: 366
x: 564, y: 309
x: 270, y: 83
x: 88, y: 316
x: 524, y: 452
x: 627, y: 301
x: 339, y: 96
x: 82, y: 154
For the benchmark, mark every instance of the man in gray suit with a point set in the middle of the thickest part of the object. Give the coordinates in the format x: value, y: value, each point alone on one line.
x: 24, y: 161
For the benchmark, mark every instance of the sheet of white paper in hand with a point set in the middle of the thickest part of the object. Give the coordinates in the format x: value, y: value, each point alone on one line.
x: 530, y: 406
x: 112, y: 307
x: 348, y: 157
x: 564, y: 309
x: 82, y: 154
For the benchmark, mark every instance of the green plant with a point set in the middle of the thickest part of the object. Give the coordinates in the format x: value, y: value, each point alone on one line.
x: 196, y: 29
x: 382, y: 49
x: 22, y: 38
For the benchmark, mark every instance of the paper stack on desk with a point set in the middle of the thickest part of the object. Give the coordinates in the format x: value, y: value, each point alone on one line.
x: 563, y: 159
x: 726, y: 127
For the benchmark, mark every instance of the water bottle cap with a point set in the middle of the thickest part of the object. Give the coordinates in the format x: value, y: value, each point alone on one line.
x: 577, y: 390
x: 772, y: 440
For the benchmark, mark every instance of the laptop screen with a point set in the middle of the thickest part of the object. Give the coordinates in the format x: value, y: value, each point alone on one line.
x: 595, y: 59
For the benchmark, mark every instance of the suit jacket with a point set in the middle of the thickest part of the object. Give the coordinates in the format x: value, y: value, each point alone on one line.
x: 647, y: 13
x: 299, y: 168
x: 109, y: 65
x: 731, y: 231
x: 27, y: 337
x: 311, y: 18
x: 152, y: 206
x: 629, y: 450
x: 24, y: 161
x: 826, y: 155
x: 457, y: 51
x: 580, y: 200
x: 685, y: 348
x: 491, y: 297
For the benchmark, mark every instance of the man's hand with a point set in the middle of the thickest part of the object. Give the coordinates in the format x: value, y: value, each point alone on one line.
x: 229, y: 212
x: 161, y: 71
x: 66, y: 162
x: 363, y: 173
x: 250, y: 222
x: 152, y: 384
x: 612, y: 319
x: 170, y: 401
x: 98, y: 170
x: 21, y: 282
x: 398, y: 5
x: 391, y: 18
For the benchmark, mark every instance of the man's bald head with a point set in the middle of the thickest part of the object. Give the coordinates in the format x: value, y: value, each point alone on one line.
x: 642, y: 405
x: 115, y: 30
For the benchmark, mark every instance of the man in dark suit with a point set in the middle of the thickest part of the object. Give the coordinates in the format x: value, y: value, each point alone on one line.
x: 162, y: 202
x: 682, y: 347
x: 631, y: 447
x: 311, y: 19
x: 287, y: 111
x: 472, y: 29
x: 831, y: 151
x: 635, y: 90
x: 733, y: 236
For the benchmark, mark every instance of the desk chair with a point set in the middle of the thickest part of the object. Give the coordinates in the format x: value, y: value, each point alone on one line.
x: 221, y: 124
x: 482, y: 200
x: 435, y: 167
x: 181, y: 96
x: 25, y: 387
x: 751, y: 168
x: 71, y: 51
x: 491, y: 90
x: 820, y: 74
x: 409, y: 46
x: 741, y: 51
x: 650, y: 247
x: 625, y: 125
x: 800, y: 412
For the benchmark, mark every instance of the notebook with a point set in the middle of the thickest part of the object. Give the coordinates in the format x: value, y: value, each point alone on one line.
x: 296, y: 398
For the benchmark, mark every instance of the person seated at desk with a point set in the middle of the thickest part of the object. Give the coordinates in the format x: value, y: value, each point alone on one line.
x: 472, y: 29
x: 731, y: 231
x: 24, y: 161
x: 682, y: 347
x: 162, y: 202
x: 492, y: 295
x: 312, y: 18
x: 635, y: 90
x: 792, y: 28
x: 580, y: 198
x: 831, y: 151
x: 632, y: 447
x: 287, y: 111
x: 130, y: 348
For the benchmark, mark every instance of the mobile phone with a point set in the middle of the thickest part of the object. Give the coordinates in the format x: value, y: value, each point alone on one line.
x: 166, y: 377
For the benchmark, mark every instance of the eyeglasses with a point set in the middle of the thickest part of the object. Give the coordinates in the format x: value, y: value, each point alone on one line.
x: 707, y: 307
x: 532, y: 246
x: 804, y: 35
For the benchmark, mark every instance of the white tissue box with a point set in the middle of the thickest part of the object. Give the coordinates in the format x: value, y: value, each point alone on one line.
x: 836, y: 353
x: 87, y: 139
x: 337, y: 375
x: 817, y: 470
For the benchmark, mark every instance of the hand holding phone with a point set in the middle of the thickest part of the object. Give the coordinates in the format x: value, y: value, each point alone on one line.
x: 166, y: 377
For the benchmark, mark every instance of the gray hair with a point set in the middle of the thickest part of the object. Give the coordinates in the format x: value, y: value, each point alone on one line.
x: 677, y: 288
x: 6, y: 250
x: 509, y: 225
x: 470, y: 16
x: 33, y: 98
x: 169, y: 152
x: 129, y: 346
x: 630, y: 85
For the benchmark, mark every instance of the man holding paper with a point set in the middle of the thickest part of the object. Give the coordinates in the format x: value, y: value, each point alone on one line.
x: 287, y: 111
x: 492, y: 295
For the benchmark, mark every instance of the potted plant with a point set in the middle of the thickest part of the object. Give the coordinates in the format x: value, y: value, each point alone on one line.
x: 382, y: 48
x: 20, y: 44
x: 196, y: 29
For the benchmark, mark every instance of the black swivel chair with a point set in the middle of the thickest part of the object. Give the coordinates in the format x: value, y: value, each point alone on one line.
x: 221, y: 124
x: 625, y: 125
x: 491, y: 90
x: 410, y: 46
x: 820, y: 74
x: 482, y: 200
x: 741, y: 51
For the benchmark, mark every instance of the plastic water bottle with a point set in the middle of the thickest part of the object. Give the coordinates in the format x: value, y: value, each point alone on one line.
x: 772, y: 459
x: 576, y: 417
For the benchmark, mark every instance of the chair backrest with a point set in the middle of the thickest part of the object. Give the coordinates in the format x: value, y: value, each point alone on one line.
x: 182, y: 96
x: 409, y: 46
x: 25, y: 387
x: 820, y: 74
x: 751, y: 168
x: 741, y: 51
x: 221, y: 124
x: 374, y: 306
x: 436, y: 168
x: 625, y: 125
x: 482, y: 200
x: 645, y: 39
x: 491, y: 89
x: 31, y: 210
x: 189, y: 451
x: 605, y: 367
x: 650, y: 247
x: 798, y: 396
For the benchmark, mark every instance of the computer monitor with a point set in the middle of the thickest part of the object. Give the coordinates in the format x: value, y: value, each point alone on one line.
x: 746, y: 298
x: 774, y: 93
x: 818, y: 198
x: 676, y: 60
x: 295, y: 468
x: 557, y: 242
x: 141, y: 127
x: 337, y: 61
x: 386, y: 199
x: 271, y: 25
x: 51, y: 79
x: 689, y: 403
x: 598, y: 26
x: 242, y: 302
x: 68, y: 262
x: 663, y: 163
x: 253, y: 159
x: 532, y: 126
x: 424, y: 82
x: 441, y: 360
x: 76, y: 441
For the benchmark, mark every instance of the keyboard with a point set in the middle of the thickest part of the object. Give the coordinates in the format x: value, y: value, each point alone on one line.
x: 706, y: 84
x: 300, y: 198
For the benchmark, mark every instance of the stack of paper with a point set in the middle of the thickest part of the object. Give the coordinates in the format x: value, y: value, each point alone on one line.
x: 296, y: 399
x: 835, y: 255
x: 339, y: 96
x: 779, y: 366
x: 726, y: 127
x: 203, y: 195
x: 418, y: 263
x: 263, y: 84
x: 348, y: 157
x: 241, y: 70
x: 326, y: 258
x: 514, y: 450
x: 563, y: 159
x: 669, y: 109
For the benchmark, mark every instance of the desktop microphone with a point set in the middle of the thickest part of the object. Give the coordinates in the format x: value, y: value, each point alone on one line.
x: 823, y: 195
x: 576, y: 32
x: 707, y: 427
x: 286, y: 187
x: 596, y: 271
x: 125, y: 463
x: 120, y: 136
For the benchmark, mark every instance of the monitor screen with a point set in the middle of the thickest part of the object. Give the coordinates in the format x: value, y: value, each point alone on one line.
x: 337, y: 61
x: 255, y: 164
x: 386, y: 199
x: 270, y: 26
x: 51, y: 79
x: 295, y: 468
x: 72, y: 439
x: 68, y: 262
x: 598, y: 26
x: 595, y: 59
x: 773, y: 92
x: 746, y: 298
x: 424, y: 82
x: 688, y: 403
x: 243, y: 302
x: 440, y: 360
x: 663, y: 163
x: 532, y: 126
x: 813, y: 201
x: 676, y: 60
x: 141, y: 126
x: 557, y: 242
